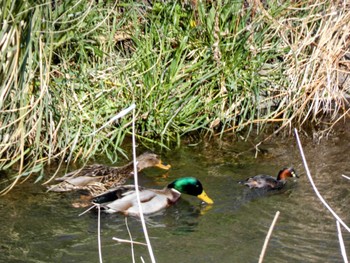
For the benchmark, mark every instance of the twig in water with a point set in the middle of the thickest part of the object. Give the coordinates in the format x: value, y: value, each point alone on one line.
x: 314, y: 186
x: 341, y: 242
x: 128, y: 241
x: 268, y: 237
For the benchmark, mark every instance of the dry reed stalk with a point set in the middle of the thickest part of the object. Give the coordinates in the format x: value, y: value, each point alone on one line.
x: 315, y: 61
x: 130, y: 237
x: 116, y: 117
x: 143, y: 222
x: 317, y: 47
x: 314, y: 186
x: 341, y: 242
x: 347, y: 177
x: 99, y: 233
x: 262, y: 254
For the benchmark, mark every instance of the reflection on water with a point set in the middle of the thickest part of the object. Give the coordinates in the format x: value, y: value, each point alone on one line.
x: 43, y: 227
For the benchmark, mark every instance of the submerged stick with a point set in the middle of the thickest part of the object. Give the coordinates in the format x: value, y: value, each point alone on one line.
x: 341, y: 242
x: 314, y: 186
x: 262, y: 254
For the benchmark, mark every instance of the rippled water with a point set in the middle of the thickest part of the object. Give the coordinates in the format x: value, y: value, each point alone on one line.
x: 43, y: 227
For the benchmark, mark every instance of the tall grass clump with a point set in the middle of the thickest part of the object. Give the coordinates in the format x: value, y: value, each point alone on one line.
x: 68, y: 67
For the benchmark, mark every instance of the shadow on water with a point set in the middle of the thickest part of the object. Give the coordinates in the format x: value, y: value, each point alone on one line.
x: 43, y: 227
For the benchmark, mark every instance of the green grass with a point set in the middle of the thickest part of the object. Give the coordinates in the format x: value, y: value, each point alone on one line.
x: 208, y: 69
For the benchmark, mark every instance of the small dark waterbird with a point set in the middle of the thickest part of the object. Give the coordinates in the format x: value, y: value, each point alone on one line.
x: 98, y: 178
x: 123, y: 199
x: 268, y: 182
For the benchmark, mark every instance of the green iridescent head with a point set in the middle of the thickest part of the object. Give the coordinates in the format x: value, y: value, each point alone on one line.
x: 191, y: 186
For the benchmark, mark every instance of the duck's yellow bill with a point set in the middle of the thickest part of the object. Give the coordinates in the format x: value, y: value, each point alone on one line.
x: 204, y: 197
x: 163, y: 166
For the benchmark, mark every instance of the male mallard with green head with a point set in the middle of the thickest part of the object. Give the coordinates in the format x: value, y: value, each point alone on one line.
x: 99, y: 178
x: 123, y: 199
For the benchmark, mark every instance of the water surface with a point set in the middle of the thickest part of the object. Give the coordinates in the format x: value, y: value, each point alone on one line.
x: 43, y: 227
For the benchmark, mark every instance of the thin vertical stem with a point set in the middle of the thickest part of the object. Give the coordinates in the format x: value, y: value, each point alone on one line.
x: 149, y: 246
x: 99, y: 233
x: 131, y: 243
x: 341, y: 242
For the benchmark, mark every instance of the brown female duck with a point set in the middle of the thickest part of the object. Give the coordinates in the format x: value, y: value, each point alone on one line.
x: 98, y: 178
x: 268, y: 182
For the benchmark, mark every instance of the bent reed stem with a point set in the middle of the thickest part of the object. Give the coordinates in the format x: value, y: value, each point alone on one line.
x: 323, y: 201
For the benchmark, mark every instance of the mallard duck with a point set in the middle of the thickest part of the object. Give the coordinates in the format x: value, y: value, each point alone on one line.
x: 99, y: 178
x: 268, y: 182
x: 123, y: 198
